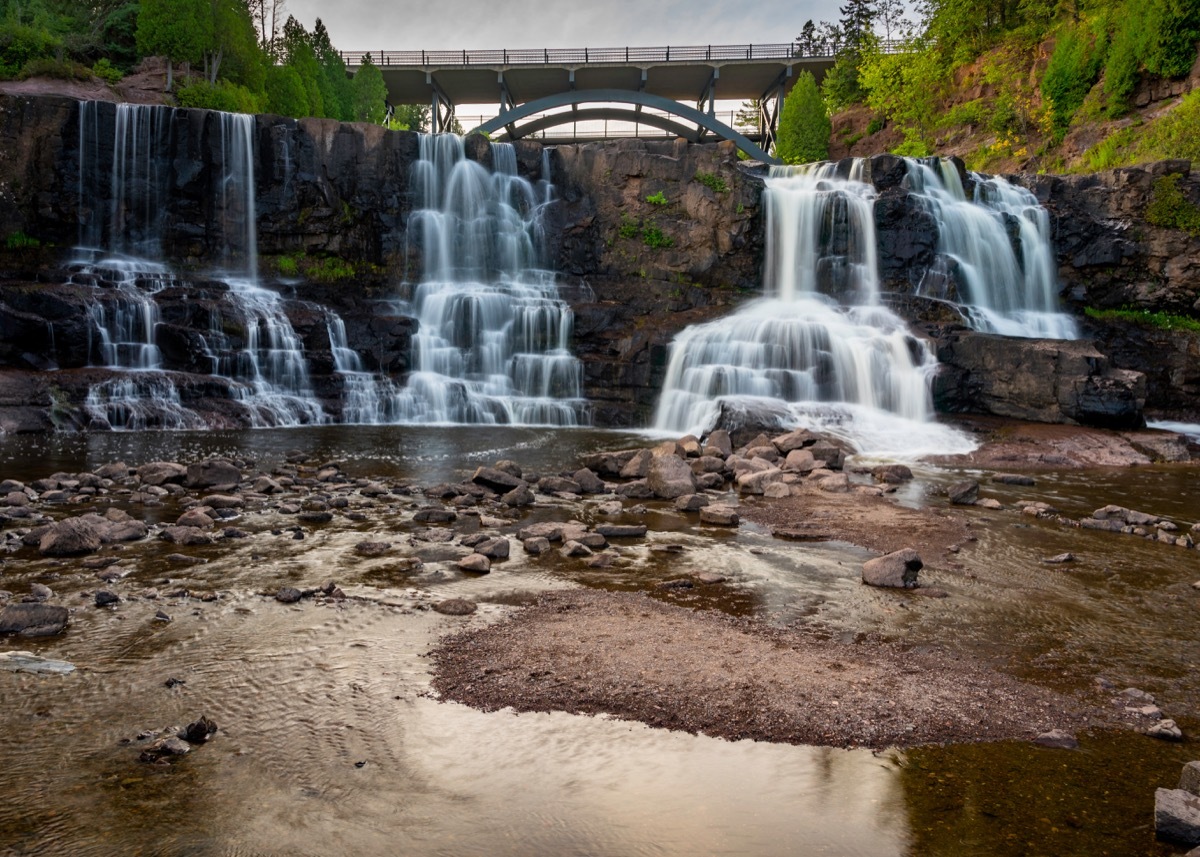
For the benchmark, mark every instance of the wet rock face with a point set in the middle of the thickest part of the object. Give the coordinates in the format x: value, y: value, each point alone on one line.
x: 1035, y: 379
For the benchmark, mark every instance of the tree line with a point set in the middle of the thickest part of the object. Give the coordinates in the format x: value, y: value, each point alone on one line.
x: 245, y: 56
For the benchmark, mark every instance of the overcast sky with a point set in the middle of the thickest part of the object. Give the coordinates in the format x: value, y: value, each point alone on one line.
x: 357, y: 25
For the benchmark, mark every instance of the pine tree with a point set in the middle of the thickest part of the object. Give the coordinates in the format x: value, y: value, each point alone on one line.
x: 176, y: 29
x: 370, y: 93
x: 804, y: 126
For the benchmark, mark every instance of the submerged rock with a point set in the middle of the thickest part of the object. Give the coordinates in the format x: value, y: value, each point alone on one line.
x: 455, y: 607
x: 33, y: 620
x: 1057, y: 739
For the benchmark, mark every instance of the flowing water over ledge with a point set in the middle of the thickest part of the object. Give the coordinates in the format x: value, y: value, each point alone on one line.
x: 304, y: 693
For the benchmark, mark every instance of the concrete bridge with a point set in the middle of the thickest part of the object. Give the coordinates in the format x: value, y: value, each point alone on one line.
x: 674, y: 89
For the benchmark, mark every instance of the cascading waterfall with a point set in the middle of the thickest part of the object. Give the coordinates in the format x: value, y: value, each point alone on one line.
x: 1002, y: 289
x: 367, y: 399
x: 818, y: 350
x: 123, y: 210
x: 492, y: 346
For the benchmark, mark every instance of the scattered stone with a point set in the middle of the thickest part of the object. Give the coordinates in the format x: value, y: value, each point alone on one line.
x: 638, y: 465
x: 1060, y: 558
x: 1057, y: 739
x: 891, y: 474
x: 989, y: 503
x: 1166, y: 730
x: 216, y: 473
x: 173, y: 682
x: 589, y: 482
x: 161, y: 473
x: 199, y: 732
x: 72, y: 536
x: 455, y: 607
x: 678, y: 583
x: 493, y: 548
x: 837, y: 483
x: 669, y: 477
x: 639, y: 489
x: 105, y: 597
x: 777, y: 491
x: 33, y: 620
x: 573, y: 548
x: 288, y: 595
x: 718, y: 443
x: 963, y: 493
x: 794, y: 440
x: 800, y: 461
x: 720, y: 516
x: 28, y: 662
x: 39, y: 592
x: 601, y: 560
x: 195, y: 518
x: 315, y: 517
x: 435, y: 515
x: 224, y: 501
x: 691, y: 503
x: 186, y: 536
x: 1189, y: 780
x: 496, y: 479
x: 897, y: 569
x: 519, y: 496
x: 165, y: 748
x: 475, y: 562
x: 804, y: 532
x: 622, y: 531
x: 709, y: 578
x: 558, y: 485
x: 1013, y: 479
x: 1177, y: 816
x: 160, y: 616
x: 1137, y: 695
x: 372, y: 549
x: 536, y: 546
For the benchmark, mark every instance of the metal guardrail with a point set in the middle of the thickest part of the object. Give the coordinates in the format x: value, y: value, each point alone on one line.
x: 620, y: 127
x: 594, y: 56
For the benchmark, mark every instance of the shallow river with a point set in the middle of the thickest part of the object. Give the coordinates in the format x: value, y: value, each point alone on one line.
x: 329, y: 743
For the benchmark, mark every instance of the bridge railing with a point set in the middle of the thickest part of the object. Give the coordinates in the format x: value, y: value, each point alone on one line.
x: 597, y: 56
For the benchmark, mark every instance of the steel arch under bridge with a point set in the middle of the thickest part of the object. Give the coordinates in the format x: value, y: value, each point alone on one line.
x: 704, y: 121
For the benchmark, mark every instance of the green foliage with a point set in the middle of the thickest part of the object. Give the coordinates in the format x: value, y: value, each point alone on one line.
x: 329, y: 269
x: 411, y: 117
x: 288, y: 266
x: 286, y: 94
x: 712, y: 181
x: 1169, y: 135
x: 20, y: 43
x: 654, y: 237
x: 840, y: 87
x: 1158, y: 36
x: 905, y: 87
x: 105, y: 70
x: 298, y: 53
x: 1170, y: 208
x: 179, y: 30
x: 1071, y: 72
x: 337, y: 93
x: 1160, y: 320
x: 912, y: 149
x: 369, y: 93
x: 804, y: 126
x: 20, y: 241
x: 657, y: 199
x: 875, y: 125
x: 223, y: 95
x: 628, y: 228
x: 55, y: 68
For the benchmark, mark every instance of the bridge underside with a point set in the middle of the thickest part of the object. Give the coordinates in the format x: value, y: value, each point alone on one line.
x: 507, y: 121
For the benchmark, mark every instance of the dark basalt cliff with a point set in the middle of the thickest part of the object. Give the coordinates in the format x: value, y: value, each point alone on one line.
x: 649, y: 237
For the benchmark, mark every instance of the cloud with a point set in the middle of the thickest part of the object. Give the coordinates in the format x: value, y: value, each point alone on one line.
x: 453, y: 24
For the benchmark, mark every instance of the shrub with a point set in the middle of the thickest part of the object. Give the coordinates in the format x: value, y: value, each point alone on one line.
x: 1161, y: 320
x: 329, y: 270
x: 875, y: 125
x: 223, y: 95
x: 20, y: 241
x: 657, y: 198
x: 804, y: 126
x: 1170, y: 208
x: 55, y: 68
x: 104, y: 70
x: 1069, y: 76
x: 628, y: 229
x: 712, y: 181
x: 652, y: 236
x: 20, y: 43
x: 288, y: 266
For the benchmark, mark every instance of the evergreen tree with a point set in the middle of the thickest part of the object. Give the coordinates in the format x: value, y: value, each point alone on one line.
x: 804, y: 126
x: 285, y: 92
x: 370, y: 93
x: 297, y: 52
x: 334, y: 83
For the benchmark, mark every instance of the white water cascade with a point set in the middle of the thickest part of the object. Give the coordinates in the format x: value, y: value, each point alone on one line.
x: 492, y: 346
x: 1002, y: 289
x: 818, y: 351
x: 367, y: 398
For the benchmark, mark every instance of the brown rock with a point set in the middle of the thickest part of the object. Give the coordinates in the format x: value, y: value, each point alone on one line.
x: 897, y: 569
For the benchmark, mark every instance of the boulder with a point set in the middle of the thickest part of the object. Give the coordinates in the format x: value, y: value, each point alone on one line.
x: 162, y: 473
x: 224, y: 501
x: 1057, y: 739
x: 835, y: 483
x: 476, y: 563
x: 33, y: 620
x: 73, y: 536
x: 435, y: 515
x: 638, y: 466
x: 519, y: 496
x: 536, y: 545
x: 288, y: 595
x: 963, y: 493
x: 777, y: 491
x: 558, y: 485
x: 455, y: 607
x: 549, y: 530
x: 574, y: 548
x: 588, y: 481
x: 897, y: 569
x: 638, y: 489
x: 800, y: 461
x: 793, y: 440
x: 669, y: 477
x: 493, y: 548
x: 195, y: 518
x: 720, y: 516
x: 1189, y: 780
x: 707, y: 464
x: 1177, y: 816
x: 718, y: 443
x: 185, y: 536
x: 214, y: 473
x: 1165, y: 730
x: 891, y: 474
x: 496, y: 480
x: 691, y: 503
x: 831, y: 453
x: 756, y: 483
x: 622, y: 531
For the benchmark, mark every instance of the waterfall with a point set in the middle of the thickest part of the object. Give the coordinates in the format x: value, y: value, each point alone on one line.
x: 492, y: 346
x: 124, y: 205
x: 818, y: 350
x: 367, y: 399
x: 995, y: 249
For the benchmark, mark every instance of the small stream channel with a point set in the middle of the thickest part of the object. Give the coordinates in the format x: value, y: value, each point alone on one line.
x: 305, y: 693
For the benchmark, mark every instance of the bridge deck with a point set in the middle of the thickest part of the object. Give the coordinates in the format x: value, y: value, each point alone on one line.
x: 678, y: 73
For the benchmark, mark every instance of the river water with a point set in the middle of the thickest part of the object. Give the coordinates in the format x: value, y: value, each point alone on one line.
x: 305, y: 693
